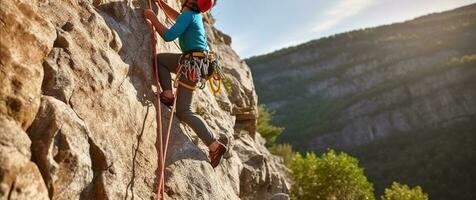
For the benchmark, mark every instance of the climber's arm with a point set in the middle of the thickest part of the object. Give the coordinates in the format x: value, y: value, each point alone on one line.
x: 159, y: 27
x: 172, y: 13
x: 183, y: 20
x: 175, y: 31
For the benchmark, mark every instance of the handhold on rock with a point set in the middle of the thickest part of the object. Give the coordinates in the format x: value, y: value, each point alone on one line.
x: 68, y: 26
x: 62, y: 39
x: 280, y: 196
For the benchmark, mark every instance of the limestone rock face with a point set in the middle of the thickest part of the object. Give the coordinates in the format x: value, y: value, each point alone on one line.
x: 19, y: 177
x: 26, y: 38
x: 61, y: 149
x: 79, y: 81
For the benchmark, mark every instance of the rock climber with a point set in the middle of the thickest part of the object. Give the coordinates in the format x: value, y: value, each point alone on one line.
x: 195, y: 66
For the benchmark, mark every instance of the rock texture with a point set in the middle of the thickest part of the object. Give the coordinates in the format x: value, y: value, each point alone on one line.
x: 355, y: 88
x: 21, y: 74
x: 78, y: 110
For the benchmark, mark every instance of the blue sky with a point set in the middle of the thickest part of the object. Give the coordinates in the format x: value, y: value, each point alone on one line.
x: 262, y: 26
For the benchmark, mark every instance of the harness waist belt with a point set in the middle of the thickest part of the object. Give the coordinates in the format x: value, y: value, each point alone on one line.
x: 199, y: 54
x: 202, y: 54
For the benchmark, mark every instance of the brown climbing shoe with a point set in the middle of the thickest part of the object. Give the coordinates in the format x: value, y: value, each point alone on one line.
x: 225, y: 140
x: 167, y: 100
x: 215, y: 156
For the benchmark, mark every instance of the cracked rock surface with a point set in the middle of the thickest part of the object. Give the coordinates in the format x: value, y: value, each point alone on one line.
x: 78, y: 110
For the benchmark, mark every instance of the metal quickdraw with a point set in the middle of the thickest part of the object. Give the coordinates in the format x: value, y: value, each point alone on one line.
x: 200, y: 67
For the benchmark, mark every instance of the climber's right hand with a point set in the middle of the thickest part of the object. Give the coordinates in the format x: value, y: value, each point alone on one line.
x: 149, y: 14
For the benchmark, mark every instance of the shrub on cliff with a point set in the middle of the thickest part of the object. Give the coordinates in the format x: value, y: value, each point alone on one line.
x: 402, y: 192
x: 331, y: 176
x: 265, y: 127
x: 284, y: 151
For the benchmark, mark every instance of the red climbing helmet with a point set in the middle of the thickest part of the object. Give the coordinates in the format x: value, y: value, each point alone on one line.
x: 205, y: 5
x: 199, y: 5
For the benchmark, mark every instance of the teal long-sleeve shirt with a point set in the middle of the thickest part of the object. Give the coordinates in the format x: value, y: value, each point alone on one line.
x: 190, y: 30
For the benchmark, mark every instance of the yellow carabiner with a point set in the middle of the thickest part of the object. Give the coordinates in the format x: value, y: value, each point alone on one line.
x: 214, y: 88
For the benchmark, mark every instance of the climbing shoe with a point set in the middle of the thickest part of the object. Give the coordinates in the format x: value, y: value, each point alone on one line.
x: 167, y: 100
x: 215, y: 156
x: 225, y: 140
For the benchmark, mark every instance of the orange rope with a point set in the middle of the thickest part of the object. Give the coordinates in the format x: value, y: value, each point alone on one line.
x: 160, y: 191
x: 167, y: 137
x: 162, y: 149
x: 168, y: 19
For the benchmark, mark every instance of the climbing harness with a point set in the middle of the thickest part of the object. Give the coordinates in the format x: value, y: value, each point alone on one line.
x: 195, y: 66
x: 199, y: 67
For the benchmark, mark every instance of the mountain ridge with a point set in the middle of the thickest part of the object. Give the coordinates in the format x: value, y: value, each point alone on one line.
x: 358, y: 91
x: 331, y: 67
x: 287, y: 50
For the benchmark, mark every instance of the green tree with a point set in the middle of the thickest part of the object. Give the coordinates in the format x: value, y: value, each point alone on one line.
x: 402, y: 192
x: 331, y: 176
x: 285, y: 151
x: 265, y: 127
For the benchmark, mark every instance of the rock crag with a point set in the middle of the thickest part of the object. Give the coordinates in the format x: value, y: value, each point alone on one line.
x: 77, y: 110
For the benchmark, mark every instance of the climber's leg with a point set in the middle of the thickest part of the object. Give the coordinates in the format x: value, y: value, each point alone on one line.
x: 167, y: 63
x: 185, y: 114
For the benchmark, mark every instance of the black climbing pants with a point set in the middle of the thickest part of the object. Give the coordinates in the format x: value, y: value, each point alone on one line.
x: 168, y: 62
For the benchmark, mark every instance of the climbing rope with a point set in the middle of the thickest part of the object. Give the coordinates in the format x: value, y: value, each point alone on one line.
x: 162, y: 151
x: 163, y: 145
x: 168, y: 20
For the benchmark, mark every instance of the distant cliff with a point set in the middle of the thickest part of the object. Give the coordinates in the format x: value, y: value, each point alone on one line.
x: 356, y: 87
x: 77, y: 110
x: 401, y: 97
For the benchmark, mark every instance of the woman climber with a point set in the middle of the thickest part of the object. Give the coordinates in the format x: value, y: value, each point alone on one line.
x: 196, y: 65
